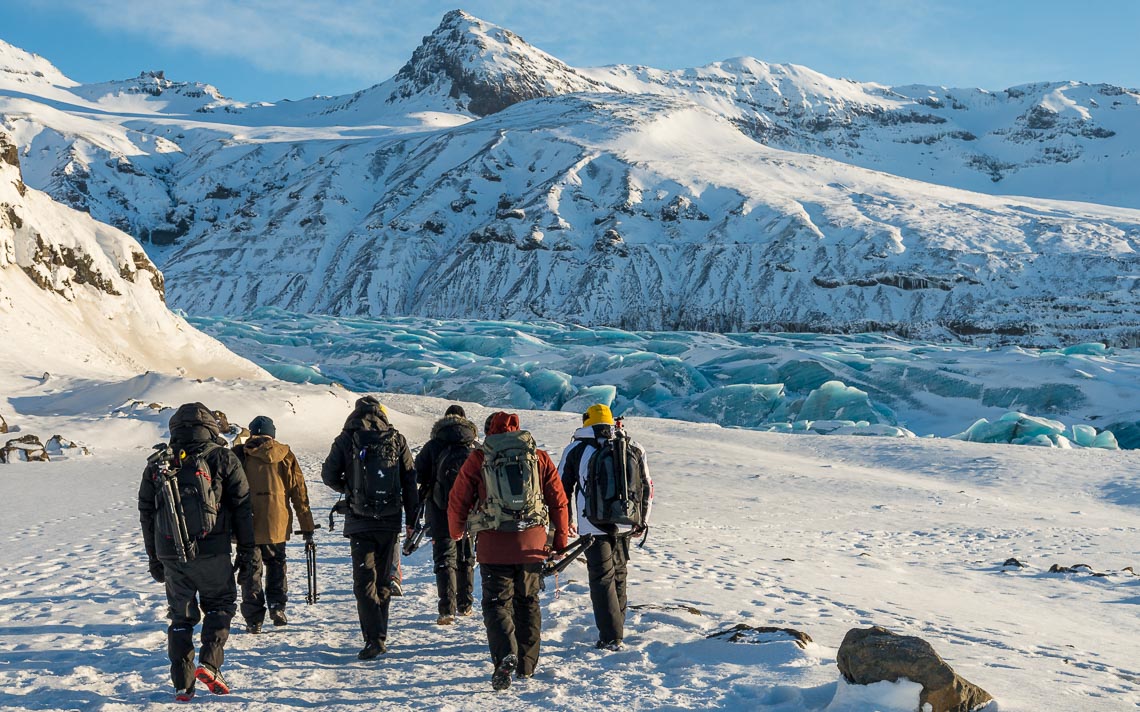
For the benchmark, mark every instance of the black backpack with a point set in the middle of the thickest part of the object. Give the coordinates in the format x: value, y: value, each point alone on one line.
x: 187, y: 495
x: 616, y: 490
x: 447, y: 465
x: 374, y: 477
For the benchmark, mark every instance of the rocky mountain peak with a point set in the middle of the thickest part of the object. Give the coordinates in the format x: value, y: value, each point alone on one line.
x: 481, y: 68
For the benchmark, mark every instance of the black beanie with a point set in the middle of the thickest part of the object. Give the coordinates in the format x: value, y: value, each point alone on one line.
x: 262, y: 425
x: 456, y: 410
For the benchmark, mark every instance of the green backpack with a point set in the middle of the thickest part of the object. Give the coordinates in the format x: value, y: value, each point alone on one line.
x: 514, y: 500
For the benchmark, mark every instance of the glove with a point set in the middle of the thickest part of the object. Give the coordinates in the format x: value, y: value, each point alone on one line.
x: 308, y: 536
x: 157, y: 570
x: 244, y: 564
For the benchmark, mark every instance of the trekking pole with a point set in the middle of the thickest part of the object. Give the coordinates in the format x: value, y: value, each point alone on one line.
x: 311, y: 596
x: 552, y: 566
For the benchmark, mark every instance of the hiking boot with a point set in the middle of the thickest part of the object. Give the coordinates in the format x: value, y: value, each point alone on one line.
x: 501, y: 678
x: 212, y: 679
x: 254, y: 628
x: 465, y: 611
x: 611, y: 645
x: 394, y: 588
x: 277, y: 615
x: 445, y: 620
x: 372, y: 649
x: 184, y: 695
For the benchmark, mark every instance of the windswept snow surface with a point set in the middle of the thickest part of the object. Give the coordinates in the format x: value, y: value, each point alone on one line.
x: 818, y: 534
x: 745, y: 380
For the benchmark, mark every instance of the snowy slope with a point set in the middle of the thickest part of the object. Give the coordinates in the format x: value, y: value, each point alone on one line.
x: 818, y: 534
x: 1066, y: 140
x: 77, y: 294
x: 587, y: 194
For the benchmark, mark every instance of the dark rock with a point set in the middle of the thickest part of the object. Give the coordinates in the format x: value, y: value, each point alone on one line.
x: 221, y: 192
x: 870, y: 655
x: 744, y: 633
x: 1013, y: 562
x: 3, y: 425
x: 58, y: 446
x: 1074, y: 569
x: 26, y: 448
x: 659, y: 607
x: 10, y: 154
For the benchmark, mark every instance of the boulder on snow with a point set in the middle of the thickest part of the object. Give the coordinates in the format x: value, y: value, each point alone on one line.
x: 744, y: 633
x: 58, y: 446
x: 26, y: 448
x: 870, y: 655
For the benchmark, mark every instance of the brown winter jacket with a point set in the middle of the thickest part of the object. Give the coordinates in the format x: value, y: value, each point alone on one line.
x: 493, y: 547
x: 275, y: 479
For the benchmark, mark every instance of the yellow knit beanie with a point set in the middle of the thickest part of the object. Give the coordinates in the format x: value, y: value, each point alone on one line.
x: 598, y: 415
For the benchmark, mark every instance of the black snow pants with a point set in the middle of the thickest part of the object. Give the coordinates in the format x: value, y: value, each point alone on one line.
x: 454, y: 565
x: 256, y: 597
x: 606, y: 563
x: 199, y: 590
x: 372, y: 556
x: 511, y: 612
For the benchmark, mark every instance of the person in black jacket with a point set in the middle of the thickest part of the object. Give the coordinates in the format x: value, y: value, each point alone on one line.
x: 203, y: 587
x: 437, y: 464
x: 373, y: 537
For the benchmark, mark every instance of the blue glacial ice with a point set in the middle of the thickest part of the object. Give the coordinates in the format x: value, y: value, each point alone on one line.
x: 858, y: 384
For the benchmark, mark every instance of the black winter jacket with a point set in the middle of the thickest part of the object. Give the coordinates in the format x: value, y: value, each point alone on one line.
x: 192, y: 427
x: 368, y: 415
x: 448, y: 432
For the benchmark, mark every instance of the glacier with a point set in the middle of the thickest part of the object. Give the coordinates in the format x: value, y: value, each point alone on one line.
x: 868, y: 384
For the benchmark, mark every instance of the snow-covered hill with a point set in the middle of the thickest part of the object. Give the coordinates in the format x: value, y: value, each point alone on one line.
x: 79, y: 296
x: 488, y: 179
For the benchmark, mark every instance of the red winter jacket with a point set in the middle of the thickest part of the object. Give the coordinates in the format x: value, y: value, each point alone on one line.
x: 493, y: 547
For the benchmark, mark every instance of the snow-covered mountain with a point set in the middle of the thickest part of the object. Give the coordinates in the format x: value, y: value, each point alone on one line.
x: 489, y: 179
x: 78, y: 294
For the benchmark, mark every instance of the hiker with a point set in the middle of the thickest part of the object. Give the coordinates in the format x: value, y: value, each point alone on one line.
x: 511, y: 538
x: 371, y: 465
x: 591, y: 456
x: 437, y: 465
x: 213, y: 497
x: 275, y: 481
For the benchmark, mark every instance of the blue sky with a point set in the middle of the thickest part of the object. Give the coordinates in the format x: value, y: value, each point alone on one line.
x: 274, y: 49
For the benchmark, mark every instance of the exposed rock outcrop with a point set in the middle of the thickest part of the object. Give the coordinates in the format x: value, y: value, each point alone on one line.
x: 26, y: 448
x: 870, y: 655
x: 744, y: 633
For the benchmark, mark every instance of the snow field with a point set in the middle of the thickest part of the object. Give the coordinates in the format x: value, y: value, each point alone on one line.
x: 817, y: 534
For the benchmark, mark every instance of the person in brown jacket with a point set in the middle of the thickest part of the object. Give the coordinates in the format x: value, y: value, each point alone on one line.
x: 510, y: 550
x: 275, y: 481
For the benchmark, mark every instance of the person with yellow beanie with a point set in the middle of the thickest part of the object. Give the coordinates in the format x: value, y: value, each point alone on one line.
x: 598, y: 449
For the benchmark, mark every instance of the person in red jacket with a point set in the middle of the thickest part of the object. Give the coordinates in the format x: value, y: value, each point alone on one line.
x: 510, y: 549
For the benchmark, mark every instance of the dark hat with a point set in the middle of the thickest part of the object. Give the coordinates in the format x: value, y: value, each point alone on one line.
x: 455, y: 410
x: 262, y: 425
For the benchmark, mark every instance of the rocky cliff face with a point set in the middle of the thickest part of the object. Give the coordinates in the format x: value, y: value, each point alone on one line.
x: 80, y: 297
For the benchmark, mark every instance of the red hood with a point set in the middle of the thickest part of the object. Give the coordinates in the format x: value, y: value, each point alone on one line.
x: 503, y: 423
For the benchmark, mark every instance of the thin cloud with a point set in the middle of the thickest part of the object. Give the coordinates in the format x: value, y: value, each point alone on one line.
x: 356, y: 39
